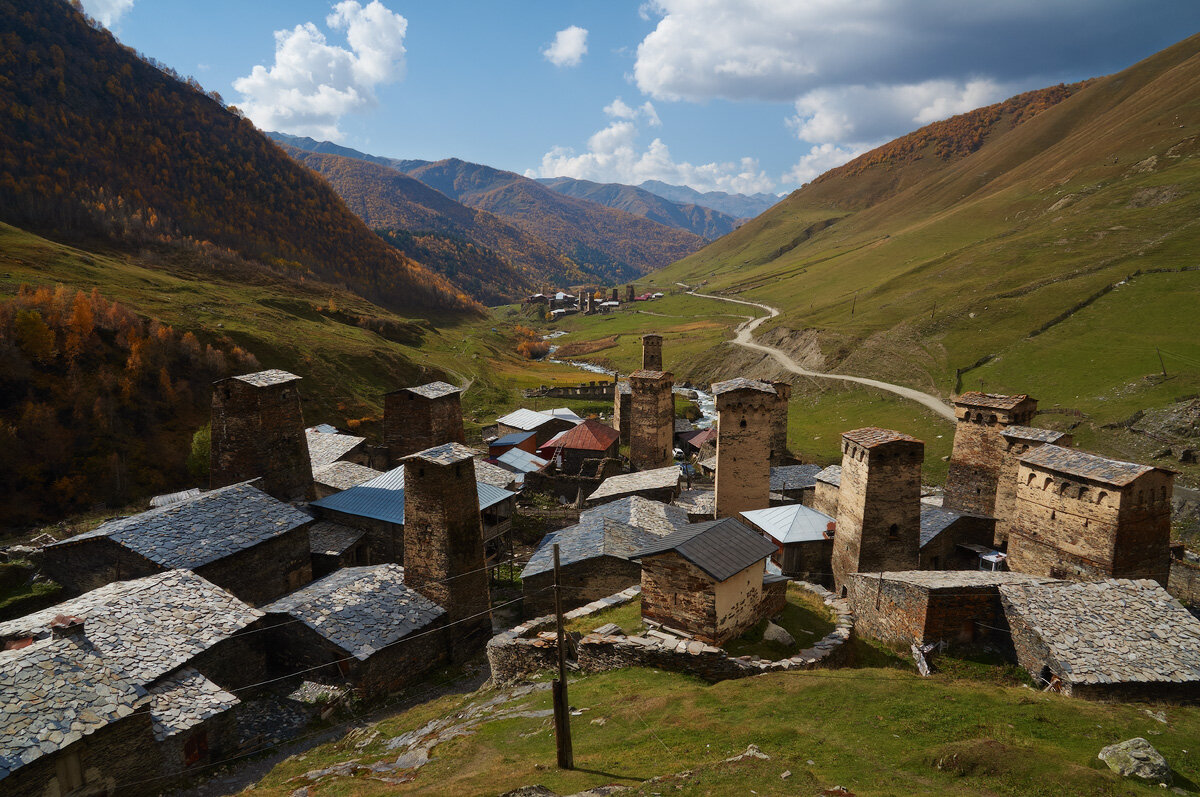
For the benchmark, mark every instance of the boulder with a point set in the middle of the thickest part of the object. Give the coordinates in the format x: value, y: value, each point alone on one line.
x: 1137, y: 758
x: 775, y: 633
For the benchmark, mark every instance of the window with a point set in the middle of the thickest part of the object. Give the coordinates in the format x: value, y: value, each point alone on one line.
x: 894, y: 532
x: 195, y: 748
x: 70, y: 772
x: 742, y: 423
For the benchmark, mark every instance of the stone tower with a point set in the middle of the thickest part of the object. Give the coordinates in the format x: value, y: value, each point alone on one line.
x: 779, y: 422
x: 629, y: 293
x: 258, y: 431
x: 615, y: 296
x: 744, y: 428
x: 879, y: 503
x: 417, y: 418
x: 652, y: 352
x: 978, y: 450
x: 1018, y: 441
x: 443, y: 541
x: 622, y: 410
x: 652, y: 421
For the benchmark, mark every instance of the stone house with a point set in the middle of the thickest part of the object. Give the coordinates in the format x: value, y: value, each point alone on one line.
x: 1083, y: 516
x: 327, y: 445
x: 660, y: 484
x: 879, y: 503
x: 826, y: 486
x: 237, y: 537
x: 590, y: 440
x: 334, y: 546
x: 526, y: 441
x: 1115, y: 639
x: 137, y: 690
x: 361, y: 625
x: 915, y: 607
x: 258, y: 432
x: 975, y: 460
x: 745, y: 412
x: 594, y: 553
x: 652, y: 425
x: 543, y: 425
x: 709, y: 580
x: 951, y: 540
x: 416, y: 418
x: 1017, y: 442
x: 803, y: 540
x: 796, y: 482
x: 377, y: 509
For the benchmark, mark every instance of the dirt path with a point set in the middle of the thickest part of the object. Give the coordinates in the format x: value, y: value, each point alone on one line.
x: 745, y: 339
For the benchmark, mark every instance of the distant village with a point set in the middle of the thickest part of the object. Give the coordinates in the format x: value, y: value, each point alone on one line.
x: 319, y: 566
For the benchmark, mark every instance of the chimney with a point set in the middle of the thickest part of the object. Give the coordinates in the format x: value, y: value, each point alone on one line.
x: 66, y: 626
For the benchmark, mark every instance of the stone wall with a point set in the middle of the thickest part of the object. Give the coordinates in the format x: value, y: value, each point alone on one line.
x: 779, y: 422
x: 943, y: 553
x: 622, y: 411
x: 530, y: 648
x: 739, y: 603
x: 590, y: 391
x: 236, y: 662
x: 744, y: 435
x: 566, y: 487
x: 1067, y: 527
x: 90, y: 563
x: 1184, y: 582
x: 412, y: 423
x: 978, y: 453
x: 584, y: 582
x: 1006, y: 483
x: 384, y: 540
x: 258, y: 431
x: 266, y: 571
x: 574, y: 459
x: 808, y: 561
x: 115, y: 759
x: 903, y: 613
x: 652, y: 359
x: 405, y: 662
x: 652, y: 425
x: 678, y: 594
x: 879, y: 508
x: 825, y: 499
x: 221, y: 740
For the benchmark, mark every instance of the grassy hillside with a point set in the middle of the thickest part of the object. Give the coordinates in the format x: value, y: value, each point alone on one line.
x: 874, y: 732
x: 915, y: 264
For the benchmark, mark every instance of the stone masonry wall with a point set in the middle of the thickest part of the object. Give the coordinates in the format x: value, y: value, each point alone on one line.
x: 530, y: 648
x: 385, y: 541
x: 779, y: 421
x: 413, y: 423
x: 258, y: 431
x: 85, y: 565
x: 652, y: 352
x: 739, y: 601
x: 879, y: 509
x: 1184, y: 582
x: 678, y: 594
x: 652, y: 425
x: 583, y: 582
x: 744, y: 434
x: 266, y: 571
x: 977, y: 457
x: 825, y: 499
x: 622, y: 411
x: 899, y: 612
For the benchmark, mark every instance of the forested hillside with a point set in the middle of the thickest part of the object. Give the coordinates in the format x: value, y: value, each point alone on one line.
x: 99, y: 143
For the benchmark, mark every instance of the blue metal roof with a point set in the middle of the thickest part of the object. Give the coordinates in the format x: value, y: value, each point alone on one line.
x: 516, y: 438
x: 383, y: 498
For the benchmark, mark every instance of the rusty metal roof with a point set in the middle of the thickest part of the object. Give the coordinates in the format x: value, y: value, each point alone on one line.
x: 871, y: 436
x: 1086, y: 466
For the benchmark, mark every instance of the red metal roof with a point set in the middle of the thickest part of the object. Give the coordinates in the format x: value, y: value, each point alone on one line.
x: 589, y: 436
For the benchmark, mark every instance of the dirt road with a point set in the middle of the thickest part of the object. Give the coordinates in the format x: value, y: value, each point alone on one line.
x: 745, y: 338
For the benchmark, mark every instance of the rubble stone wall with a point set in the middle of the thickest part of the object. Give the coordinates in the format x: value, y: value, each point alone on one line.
x: 266, y: 571
x: 385, y: 541
x: 779, y: 421
x: 744, y: 435
x: 678, y: 594
x: 903, y: 613
x: 583, y: 582
x: 1184, y: 583
x: 652, y: 425
x: 976, y: 459
x: 622, y: 411
x: 85, y: 565
x: 258, y: 431
x: 413, y: 423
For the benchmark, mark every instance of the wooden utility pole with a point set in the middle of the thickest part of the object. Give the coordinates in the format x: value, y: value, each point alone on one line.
x: 1161, y: 364
x: 853, y: 302
x: 562, y: 708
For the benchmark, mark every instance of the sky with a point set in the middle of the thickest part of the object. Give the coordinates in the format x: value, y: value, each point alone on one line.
x: 741, y: 96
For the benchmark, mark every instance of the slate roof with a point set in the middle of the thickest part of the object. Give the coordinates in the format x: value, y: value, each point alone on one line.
x: 721, y: 548
x: 266, y: 378
x: 522, y: 461
x: 590, y: 538
x: 325, y: 447
x: 791, y: 523
x: 974, y: 398
x: 646, y: 373
x: 527, y: 420
x: 445, y: 454
x: 625, y: 483
x: 1085, y: 465
x: 1113, y: 631
x: 200, y: 530
x: 684, y: 425
x: 741, y: 383
x: 959, y: 579
x: 494, y: 475
x: 332, y: 539
x: 793, y: 477
x: 697, y: 502
x: 1032, y: 433
x: 516, y: 438
x: 625, y: 388
x: 871, y: 436
x: 360, y: 609
x: 343, y: 475
x: 148, y: 626
x: 830, y: 475
x: 382, y: 498
x: 433, y: 390
x: 184, y: 700
x: 52, y: 694
x: 653, y: 516
x: 589, y: 436
x: 936, y: 519
x: 173, y: 498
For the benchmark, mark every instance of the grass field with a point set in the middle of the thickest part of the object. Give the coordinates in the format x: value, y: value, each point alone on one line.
x: 876, y: 732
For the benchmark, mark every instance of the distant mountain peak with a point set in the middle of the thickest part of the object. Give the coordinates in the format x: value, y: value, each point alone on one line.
x: 741, y: 206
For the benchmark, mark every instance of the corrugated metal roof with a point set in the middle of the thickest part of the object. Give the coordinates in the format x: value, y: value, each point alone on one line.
x: 791, y: 523
x: 513, y: 439
x: 522, y: 461
x: 721, y: 548
x: 383, y: 498
x: 525, y: 419
x: 564, y: 414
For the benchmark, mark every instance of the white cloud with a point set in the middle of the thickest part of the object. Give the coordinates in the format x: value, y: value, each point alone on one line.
x: 107, y: 12
x: 869, y: 113
x: 613, y: 156
x: 820, y: 159
x: 568, y: 48
x: 313, y: 83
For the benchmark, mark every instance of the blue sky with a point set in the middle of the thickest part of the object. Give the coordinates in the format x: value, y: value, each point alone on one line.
x: 736, y: 95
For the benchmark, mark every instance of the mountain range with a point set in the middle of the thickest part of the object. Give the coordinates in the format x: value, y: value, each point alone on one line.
x: 740, y: 206
x: 703, y: 221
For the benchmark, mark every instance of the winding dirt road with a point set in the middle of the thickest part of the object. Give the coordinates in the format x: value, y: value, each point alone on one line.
x: 745, y: 339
